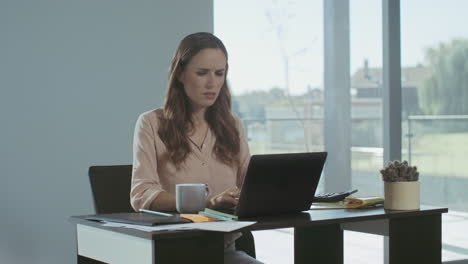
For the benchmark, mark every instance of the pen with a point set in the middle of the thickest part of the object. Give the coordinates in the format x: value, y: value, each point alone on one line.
x: 154, y: 212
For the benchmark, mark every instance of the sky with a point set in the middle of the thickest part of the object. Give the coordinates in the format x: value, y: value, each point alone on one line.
x: 258, y: 55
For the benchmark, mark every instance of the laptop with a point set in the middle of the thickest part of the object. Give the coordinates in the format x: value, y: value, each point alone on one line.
x: 277, y: 184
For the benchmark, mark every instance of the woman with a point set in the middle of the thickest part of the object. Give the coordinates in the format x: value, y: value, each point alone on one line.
x: 194, y: 139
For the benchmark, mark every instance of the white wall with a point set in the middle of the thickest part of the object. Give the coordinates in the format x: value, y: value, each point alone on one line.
x: 74, y: 75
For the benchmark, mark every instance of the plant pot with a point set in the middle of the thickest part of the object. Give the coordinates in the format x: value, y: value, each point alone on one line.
x: 401, y: 195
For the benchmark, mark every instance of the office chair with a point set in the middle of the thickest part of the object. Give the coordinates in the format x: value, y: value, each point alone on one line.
x: 110, y: 186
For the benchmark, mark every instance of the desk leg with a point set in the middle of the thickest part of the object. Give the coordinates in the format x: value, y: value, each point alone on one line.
x: 207, y: 248
x: 318, y: 244
x: 415, y: 240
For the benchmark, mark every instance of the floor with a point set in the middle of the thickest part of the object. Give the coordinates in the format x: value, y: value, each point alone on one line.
x: 276, y: 246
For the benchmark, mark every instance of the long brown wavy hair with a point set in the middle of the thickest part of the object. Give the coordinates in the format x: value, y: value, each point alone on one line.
x: 176, y: 120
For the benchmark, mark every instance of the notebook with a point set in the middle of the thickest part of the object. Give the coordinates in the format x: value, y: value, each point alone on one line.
x: 277, y: 184
x: 139, y: 218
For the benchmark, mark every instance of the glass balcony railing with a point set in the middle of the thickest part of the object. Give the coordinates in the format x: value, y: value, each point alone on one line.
x: 437, y: 145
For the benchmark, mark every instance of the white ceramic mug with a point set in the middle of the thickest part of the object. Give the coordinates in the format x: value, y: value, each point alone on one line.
x: 191, y: 197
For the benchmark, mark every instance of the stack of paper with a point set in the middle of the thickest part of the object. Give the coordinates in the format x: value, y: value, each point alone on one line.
x: 148, y: 221
x: 218, y: 215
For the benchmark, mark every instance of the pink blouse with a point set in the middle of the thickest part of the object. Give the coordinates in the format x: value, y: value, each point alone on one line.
x: 154, y: 172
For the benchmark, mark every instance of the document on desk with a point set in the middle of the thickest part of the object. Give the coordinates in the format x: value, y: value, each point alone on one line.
x: 219, y: 226
x: 350, y: 203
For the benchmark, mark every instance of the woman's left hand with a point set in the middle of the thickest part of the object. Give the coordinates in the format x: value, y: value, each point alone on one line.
x: 226, y: 199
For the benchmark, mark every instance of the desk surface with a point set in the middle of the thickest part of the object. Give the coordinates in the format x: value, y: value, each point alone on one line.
x: 306, y: 218
x: 337, y: 216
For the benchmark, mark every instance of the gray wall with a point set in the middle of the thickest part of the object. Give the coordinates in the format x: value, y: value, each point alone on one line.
x: 74, y: 75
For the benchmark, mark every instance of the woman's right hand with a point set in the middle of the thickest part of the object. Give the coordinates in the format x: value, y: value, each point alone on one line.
x: 226, y: 199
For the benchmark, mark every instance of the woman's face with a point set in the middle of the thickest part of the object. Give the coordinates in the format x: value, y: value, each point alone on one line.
x: 203, y: 77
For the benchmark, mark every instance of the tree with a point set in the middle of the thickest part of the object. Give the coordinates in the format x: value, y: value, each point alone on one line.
x: 445, y: 91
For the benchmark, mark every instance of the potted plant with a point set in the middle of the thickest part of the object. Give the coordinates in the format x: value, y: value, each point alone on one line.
x: 401, y: 186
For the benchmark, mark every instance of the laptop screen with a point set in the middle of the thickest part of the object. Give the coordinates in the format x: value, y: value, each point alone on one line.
x: 278, y: 184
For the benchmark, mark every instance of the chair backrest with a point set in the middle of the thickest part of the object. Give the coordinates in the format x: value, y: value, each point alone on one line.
x: 110, y: 186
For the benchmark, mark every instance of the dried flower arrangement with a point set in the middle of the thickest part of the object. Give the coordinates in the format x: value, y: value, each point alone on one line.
x: 397, y: 171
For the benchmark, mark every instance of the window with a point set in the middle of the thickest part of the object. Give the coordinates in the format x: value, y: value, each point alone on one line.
x: 275, y: 71
x: 434, y: 42
x: 366, y: 97
x: 277, y: 65
x: 276, y: 78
